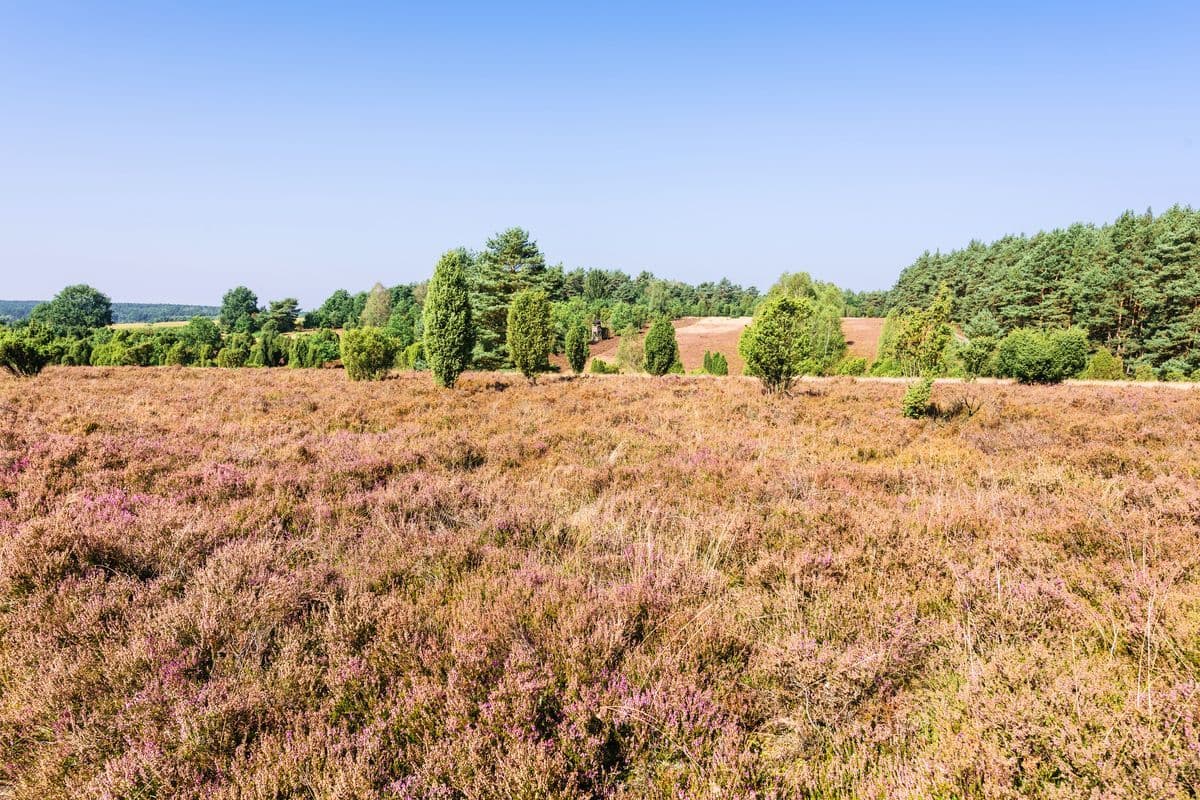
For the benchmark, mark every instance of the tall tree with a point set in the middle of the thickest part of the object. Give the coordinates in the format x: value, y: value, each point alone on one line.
x: 510, y: 262
x: 449, y: 326
x: 76, y: 309
x: 239, y: 310
x: 283, y: 314
x: 378, y: 308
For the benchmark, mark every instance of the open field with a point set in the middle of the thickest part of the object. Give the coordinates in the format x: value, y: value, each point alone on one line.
x: 175, y: 323
x: 721, y: 334
x: 279, y: 584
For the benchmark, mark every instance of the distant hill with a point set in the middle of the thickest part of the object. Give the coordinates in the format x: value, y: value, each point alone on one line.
x: 122, y: 312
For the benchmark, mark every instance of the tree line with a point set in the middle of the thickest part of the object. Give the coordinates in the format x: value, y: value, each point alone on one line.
x: 1132, y: 287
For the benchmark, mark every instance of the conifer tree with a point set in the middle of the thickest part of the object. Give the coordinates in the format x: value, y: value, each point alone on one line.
x: 661, y: 347
x: 577, y: 348
x: 774, y: 345
x: 510, y: 262
x: 529, y: 332
x: 449, y: 334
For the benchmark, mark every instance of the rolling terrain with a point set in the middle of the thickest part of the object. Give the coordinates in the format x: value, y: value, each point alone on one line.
x: 721, y: 334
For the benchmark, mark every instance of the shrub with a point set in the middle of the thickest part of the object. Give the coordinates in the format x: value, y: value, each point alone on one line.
x: 716, y: 363
x: 774, y: 345
x: 412, y: 357
x: 661, y: 347
x: 631, y: 356
x: 978, y: 355
x: 1069, y: 352
x: 1144, y: 372
x: 577, y: 347
x: 602, y: 367
x: 916, y: 403
x: 1104, y: 366
x: 1033, y: 356
x: 367, y: 354
x: 851, y: 366
x: 235, y: 353
x: 529, y: 333
x: 20, y: 357
x: 110, y: 354
x: 449, y: 329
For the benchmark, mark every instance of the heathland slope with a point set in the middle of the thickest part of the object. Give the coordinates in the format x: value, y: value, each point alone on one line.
x: 275, y: 583
x: 721, y: 334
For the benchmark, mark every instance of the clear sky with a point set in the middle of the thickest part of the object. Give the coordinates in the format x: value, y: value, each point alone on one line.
x: 167, y: 151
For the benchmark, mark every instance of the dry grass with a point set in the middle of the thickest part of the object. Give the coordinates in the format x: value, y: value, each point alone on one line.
x: 277, y: 584
x: 862, y: 336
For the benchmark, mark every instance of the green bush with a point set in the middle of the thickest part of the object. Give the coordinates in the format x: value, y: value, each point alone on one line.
x: 367, y: 353
x: 916, y: 403
x: 1144, y: 372
x: 661, y: 347
x: 449, y: 335
x: 412, y: 357
x: 774, y: 345
x: 716, y: 363
x: 236, y: 352
x: 851, y: 365
x: 529, y: 333
x: 110, y: 354
x: 1033, y: 356
x: 602, y: 367
x: 978, y: 355
x: 20, y: 357
x: 1104, y: 366
x: 631, y: 355
x: 577, y: 347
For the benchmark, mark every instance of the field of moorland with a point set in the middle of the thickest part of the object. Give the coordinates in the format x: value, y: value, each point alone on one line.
x: 279, y: 584
x: 695, y: 335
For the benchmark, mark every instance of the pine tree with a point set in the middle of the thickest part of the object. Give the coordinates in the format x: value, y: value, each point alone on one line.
x: 577, y: 348
x: 449, y: 334
x: 529, y: 332
x: 510, y: 262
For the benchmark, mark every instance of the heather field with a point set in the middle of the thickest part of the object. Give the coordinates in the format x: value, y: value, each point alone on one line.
x: 279, y: 584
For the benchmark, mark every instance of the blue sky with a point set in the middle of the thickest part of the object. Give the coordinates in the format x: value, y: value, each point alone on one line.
x: 168, y: 151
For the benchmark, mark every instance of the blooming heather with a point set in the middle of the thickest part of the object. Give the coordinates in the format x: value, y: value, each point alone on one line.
x: 268, y: 584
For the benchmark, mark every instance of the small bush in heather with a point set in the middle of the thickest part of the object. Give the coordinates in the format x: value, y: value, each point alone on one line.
x: 916, y: 403
x: 412, y: 357
x: 1144, y: 372
x: 529, y: 333
x: 1104, y: 366
x: 602, y: 367
x: 20, y: 357
x: 851, y: 366
x: 631, y: 355
x: 716, y: 363
x: 235, y: 353
x: 662, y: 349
x: 1033, y: 356
x: 577, y: 347
x: 367, y: 353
